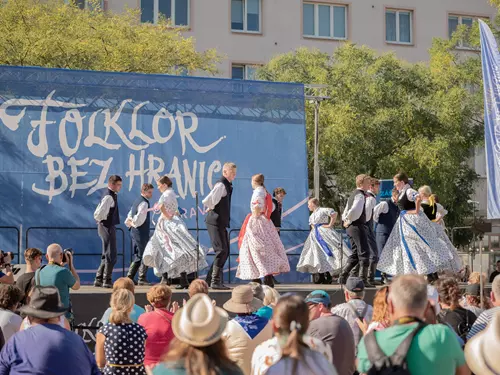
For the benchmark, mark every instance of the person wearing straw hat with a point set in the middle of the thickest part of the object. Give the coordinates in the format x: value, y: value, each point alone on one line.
x: 46, y: 348
x: 247, y: 330
x: 198, y: 347
x: 481, y: 352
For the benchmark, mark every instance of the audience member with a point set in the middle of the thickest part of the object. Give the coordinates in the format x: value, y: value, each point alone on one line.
x: 434, y: 309
x: 6, y: 277
x: 247, y: 330
x: 290, y: 351
x: 333, y: 330
x: 496, y: 272
x: 486, y: 317
x: 380, y: 319
x: 481, y: 352
x: 476, y: 278
x: 119, y: 347
x: 33, y: 259
x: 124, y: 283
x: 63, y: 322
x: 197, y: 286
x: 434, y: 351
x: 158, y: 324
x: 473, y: 299
x: 55, y: 274
x: 258, y: 292
x: 458, y: 318
x: 10, y: 296
x: 46, y: 348
x: 354, y: 309
x: 198, y: 347
x: 271, y: 297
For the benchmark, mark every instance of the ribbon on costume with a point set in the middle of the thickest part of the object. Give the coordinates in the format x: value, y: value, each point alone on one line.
x: 322, y: 243
x: 405, y: 244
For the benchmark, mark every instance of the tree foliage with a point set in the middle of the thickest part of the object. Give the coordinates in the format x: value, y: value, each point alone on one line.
x: 386, y: 115
x: 50, y: 33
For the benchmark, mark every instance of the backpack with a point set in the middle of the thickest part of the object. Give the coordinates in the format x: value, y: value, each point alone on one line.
x: 389, y: 365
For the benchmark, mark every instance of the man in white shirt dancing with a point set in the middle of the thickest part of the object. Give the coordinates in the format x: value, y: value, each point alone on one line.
x: 138, y: 221
x: 218, y: 206
x: 354, y: 218
x: 107, y: 217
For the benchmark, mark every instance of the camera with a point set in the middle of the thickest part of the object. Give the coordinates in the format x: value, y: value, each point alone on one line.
x: 65, y: 257
x: 5, y: 258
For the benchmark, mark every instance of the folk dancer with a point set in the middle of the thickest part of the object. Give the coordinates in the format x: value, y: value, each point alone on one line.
x: 278, y: 196
x: 107, y: 217
x: 172, y: 251
x: 262, y: 253
x: 218, y: 204
x: 354, y: 218
x: 139, y: 221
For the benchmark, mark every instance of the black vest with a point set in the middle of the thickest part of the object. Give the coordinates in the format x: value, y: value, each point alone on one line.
x: 428, y: 210
x: 362, y: 219
x: 113, y: 217
x: 223, y: 208
x: 276, y: 214
x: 404, y: 203
x: 386, y: 221
x: 144, y: 228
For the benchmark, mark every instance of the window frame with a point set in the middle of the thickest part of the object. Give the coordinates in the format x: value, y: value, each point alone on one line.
x: 245, y: 20
x: 460, y: 16
x: 156, y: 13
x: 245, y: 70
x: 86, y: 4
x: 398, y: 37
x: 332, y: 6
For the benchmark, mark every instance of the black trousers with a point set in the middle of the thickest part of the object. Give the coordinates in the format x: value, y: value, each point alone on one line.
x: 139, y: 244
x: 381, y: 238
x: 108, y: 238
x: 359, y: 245
x: 220, y: 243
x: 372, y: 244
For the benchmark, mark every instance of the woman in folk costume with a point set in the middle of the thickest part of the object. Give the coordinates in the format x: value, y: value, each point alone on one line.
x: 321, y: 255
x: 172, y: 251
x: 435, y: 212
x: 261, y: 252
x: 413, y: 246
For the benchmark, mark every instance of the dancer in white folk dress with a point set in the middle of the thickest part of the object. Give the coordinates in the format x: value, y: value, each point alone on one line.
x: 172, y: 251
x: 322, y: 253
x: 435, y: 212
x: 261, y: 252
x: 413, y: 246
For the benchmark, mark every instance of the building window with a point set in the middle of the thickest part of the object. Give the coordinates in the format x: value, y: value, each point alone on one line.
x: 246, y: 15
x: 85, y: 4
x: 398, y: 26
x: 325, y: 21
x: 454, y: 22
x: 242, y: 71
x: 177, y: 11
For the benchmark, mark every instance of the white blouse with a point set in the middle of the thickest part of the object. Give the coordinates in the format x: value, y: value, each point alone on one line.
x: 169, y: 200
x: 321, y: 215
x: 411, y: 194
x: 258, y: 199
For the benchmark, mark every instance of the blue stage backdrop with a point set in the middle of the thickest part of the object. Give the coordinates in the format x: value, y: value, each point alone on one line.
x: 63, y: 132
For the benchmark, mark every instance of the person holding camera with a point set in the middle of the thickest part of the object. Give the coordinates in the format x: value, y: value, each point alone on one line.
x: 33, y: 259
x: 6, y: 277
x: 55, y: 274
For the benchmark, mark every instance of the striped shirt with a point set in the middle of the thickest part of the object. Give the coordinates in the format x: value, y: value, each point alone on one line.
x: 482, y: 321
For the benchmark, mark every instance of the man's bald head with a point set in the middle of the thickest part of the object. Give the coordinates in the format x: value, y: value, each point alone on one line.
x: 54, y: 251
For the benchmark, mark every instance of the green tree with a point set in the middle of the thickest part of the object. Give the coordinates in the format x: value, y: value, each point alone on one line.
x: 50, y: 33
x: 387, y: 115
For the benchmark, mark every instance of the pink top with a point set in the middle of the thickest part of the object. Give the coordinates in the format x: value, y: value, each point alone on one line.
x: 158, y: 326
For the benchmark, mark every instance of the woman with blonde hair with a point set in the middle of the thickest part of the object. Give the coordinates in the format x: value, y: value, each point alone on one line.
x: 198, y: 348
x: 262, y: 253
x: 119, y: 348
x: 435, y: 212
x: 172, y: 251
x: 291, y: 351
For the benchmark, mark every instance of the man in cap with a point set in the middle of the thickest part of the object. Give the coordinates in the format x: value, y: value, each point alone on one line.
x: 46, y: 347
x: 333, y: 330
x: 355, y: 308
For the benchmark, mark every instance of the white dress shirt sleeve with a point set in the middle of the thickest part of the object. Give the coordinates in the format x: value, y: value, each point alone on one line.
x: 214, y: 197
x: 370, y: 204
x: 356, y: 210
x: 140, y: 216
x: 102, y: 210
x: 411, y: 194
x: 381, y: 208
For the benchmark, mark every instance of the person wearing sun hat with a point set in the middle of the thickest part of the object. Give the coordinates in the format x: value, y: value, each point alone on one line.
x: 481, y: 352
x: 46, y: 348
x: 247, y: 330
x: 198, y: 347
